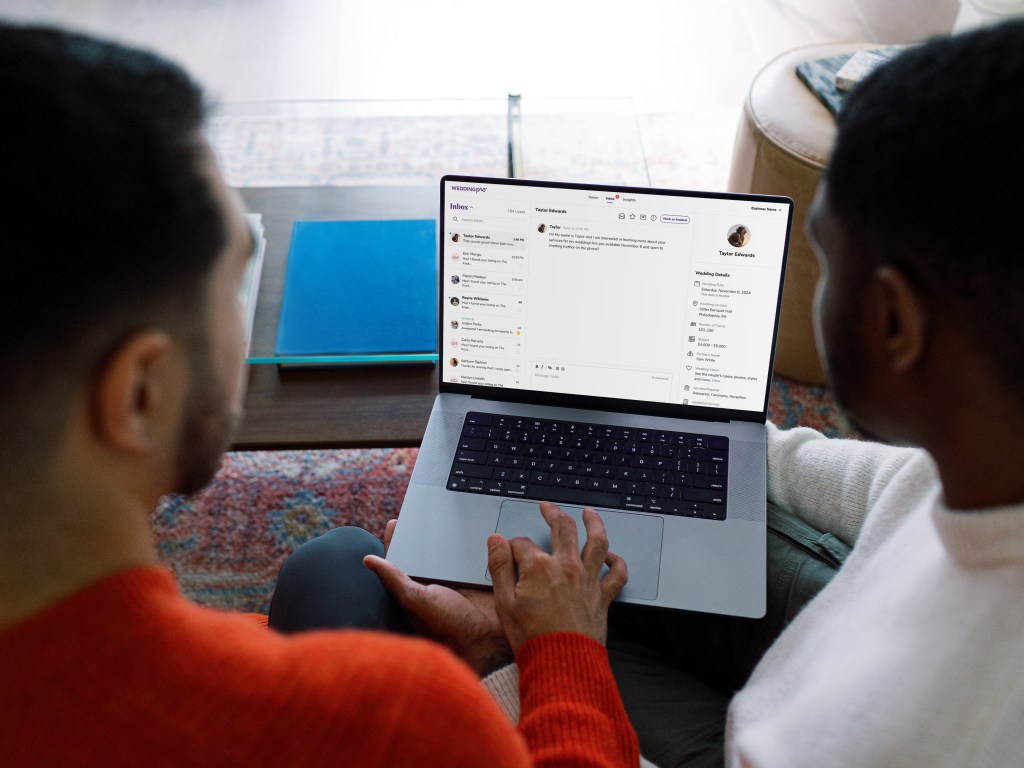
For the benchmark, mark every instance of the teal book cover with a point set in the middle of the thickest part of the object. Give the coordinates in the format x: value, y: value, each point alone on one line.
x: 365, y: 290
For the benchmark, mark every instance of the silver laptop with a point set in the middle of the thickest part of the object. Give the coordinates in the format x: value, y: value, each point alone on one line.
x: 608, y: 347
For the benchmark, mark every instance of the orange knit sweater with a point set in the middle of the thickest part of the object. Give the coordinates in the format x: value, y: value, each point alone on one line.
x: 128, y: 672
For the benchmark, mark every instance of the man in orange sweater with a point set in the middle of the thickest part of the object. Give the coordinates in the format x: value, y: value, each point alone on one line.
x: 124, y: 254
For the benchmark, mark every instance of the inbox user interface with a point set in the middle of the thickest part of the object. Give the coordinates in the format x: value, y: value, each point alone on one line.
x: 637, y: 296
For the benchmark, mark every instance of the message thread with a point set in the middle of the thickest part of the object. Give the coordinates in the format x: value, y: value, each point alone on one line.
x: 660, y: 298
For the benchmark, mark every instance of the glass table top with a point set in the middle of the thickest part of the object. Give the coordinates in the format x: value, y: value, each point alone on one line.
x: 325, y: 143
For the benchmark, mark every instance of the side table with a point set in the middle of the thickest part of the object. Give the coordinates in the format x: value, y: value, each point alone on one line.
x: 383, y: 406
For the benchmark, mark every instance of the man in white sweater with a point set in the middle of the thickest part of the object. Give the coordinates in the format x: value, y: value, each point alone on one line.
x: 913, y: 655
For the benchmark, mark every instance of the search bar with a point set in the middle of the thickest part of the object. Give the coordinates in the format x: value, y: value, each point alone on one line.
x: 496, y: 222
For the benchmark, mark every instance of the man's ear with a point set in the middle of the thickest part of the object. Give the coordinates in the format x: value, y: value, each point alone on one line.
x: 901, y: 320
x: 135, y: 388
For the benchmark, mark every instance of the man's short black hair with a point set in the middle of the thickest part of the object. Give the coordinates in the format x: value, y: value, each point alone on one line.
x: 111, y: 224
x: 926, y: 175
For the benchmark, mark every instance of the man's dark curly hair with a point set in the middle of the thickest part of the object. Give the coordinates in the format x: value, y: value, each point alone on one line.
x: 927, y: 174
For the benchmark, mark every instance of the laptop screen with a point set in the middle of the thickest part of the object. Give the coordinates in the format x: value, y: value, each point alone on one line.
x: 611, y: 292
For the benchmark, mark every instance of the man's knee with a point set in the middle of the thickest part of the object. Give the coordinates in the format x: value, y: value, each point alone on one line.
x: 324, y: 585
x: 338, y: 545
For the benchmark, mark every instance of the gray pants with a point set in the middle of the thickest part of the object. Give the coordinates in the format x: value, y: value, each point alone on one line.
x: 324, y: 585
x: 678, y: 670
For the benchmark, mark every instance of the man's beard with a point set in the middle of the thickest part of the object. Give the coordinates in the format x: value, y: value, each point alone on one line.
x: 846, y: 370
x: 206, y: 428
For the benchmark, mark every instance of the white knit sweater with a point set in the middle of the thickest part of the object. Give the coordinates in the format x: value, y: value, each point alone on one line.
x: 914, y: 654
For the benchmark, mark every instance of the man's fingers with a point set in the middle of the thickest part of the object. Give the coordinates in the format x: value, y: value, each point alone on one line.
x: 615, y: 579
x: 389, y: 532
x: 564, y: 537
x: 524, y: 551
x: 406, y: 591
x: 595, y: 551
x: 502, y: 566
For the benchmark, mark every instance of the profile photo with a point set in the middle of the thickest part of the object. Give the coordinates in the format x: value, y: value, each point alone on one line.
x: 453, y: 362
x: 455, y: 325
x: 455, y: 279
x: 739, y: 235
x: 454, y: 301
x: 542, y: 228
x: 455, y: 237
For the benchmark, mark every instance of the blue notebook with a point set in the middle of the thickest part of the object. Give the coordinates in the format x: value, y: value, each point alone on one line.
x: 360, y: 292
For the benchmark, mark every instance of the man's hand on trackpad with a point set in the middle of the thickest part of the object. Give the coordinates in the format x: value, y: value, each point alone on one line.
x: 558, y: 592
x: 535, y: 593
x: 464, y: 620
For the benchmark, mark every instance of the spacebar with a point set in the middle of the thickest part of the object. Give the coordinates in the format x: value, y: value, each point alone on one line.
x: 574, y: 496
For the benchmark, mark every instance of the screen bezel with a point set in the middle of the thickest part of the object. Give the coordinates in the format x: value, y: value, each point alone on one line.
x: 560, y: 399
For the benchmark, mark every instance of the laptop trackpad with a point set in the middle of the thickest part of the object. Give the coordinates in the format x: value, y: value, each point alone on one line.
x: 636, y: 537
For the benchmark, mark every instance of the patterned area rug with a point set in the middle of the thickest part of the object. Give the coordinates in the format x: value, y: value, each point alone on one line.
x: 228, y: 542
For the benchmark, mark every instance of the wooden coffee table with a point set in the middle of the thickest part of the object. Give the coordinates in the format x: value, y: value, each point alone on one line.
x: 341, y: 407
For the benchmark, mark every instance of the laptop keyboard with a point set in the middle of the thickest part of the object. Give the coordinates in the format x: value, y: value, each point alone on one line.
x: 592, y: 465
